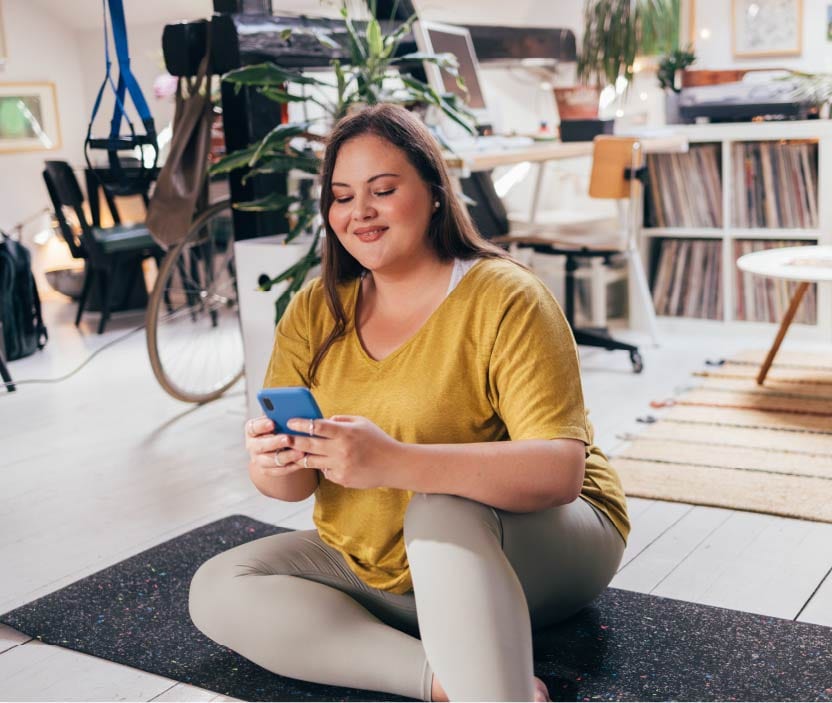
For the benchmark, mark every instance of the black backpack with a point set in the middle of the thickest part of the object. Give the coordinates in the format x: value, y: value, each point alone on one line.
x: 23, y: 328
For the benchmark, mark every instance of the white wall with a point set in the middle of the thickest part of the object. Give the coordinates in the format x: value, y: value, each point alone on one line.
x: 40, y: 48
x: 714, y: 51
x: 44, y: 44
x: 516, y: 13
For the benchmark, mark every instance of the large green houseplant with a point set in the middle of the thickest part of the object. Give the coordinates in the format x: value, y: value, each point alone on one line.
x: 617, y: 31
x: 365, y: 80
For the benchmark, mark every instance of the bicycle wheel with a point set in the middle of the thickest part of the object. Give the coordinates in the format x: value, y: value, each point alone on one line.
x: 193, y: 326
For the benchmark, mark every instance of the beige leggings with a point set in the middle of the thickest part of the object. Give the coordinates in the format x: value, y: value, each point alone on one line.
x: 482, y: 580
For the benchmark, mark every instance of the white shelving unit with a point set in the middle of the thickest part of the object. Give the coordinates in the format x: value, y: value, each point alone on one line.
x: 726, y: 135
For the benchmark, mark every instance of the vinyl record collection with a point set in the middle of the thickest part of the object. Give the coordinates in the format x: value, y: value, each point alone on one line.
x: 773, y: 185
x: 686, y: 280
x: 765, y: 299
x: 685, y: 190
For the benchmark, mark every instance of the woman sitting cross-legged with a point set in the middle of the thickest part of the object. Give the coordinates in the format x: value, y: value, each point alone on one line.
x: 460, y: 503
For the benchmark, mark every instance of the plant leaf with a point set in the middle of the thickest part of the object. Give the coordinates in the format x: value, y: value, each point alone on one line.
x: 281, y: 96
x: 357, y: 49
x: 392, y: 41
x: 324, y: 38
x: 268, y: 74
x: 234, y: 160
x: 304, y: 220
x: 277, y: 138
x: 283, y: 163
x: 298, y: 274
x: 273, y: 201
x: 446, y: 102
x: 374, y: 42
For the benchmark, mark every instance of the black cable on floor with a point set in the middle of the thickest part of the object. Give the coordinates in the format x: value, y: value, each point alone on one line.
x: 78, y: 368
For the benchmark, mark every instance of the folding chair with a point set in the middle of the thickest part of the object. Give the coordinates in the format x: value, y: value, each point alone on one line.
x: 109, y: 253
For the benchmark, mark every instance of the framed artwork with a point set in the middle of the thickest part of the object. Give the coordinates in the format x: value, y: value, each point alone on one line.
x: 28, y: 117
x: 763, y: 28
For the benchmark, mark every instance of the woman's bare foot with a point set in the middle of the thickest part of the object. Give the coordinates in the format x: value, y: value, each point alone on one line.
x: 437, y: 693
x: 541, y: 693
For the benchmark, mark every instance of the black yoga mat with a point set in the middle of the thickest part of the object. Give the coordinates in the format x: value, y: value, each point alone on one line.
x: 626, y: 646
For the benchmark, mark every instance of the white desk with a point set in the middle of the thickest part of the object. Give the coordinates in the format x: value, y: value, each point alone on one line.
x: 538, y: 152
x: 812, y: 264
x: 551, y: 150
x: 462, y: 163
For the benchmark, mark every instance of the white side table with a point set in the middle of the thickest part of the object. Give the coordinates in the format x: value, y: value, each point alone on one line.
x: 812, y: 264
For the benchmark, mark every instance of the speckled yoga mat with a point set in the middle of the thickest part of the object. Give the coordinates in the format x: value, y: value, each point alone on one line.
x: 626, y: 646
x: 730, y: 443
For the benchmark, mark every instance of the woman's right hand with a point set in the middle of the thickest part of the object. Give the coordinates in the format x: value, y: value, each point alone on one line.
x: 268, y: 452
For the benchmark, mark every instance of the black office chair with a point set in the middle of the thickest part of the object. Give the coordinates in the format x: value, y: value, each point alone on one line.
x: 109, y: 253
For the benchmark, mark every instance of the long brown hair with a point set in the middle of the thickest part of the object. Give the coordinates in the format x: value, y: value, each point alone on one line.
x: 451, y: 232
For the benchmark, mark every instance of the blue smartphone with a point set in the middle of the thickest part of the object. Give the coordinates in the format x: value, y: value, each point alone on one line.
x: 282, y: 404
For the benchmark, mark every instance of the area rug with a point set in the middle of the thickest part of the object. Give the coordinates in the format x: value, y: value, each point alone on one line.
x: 625, y: 646
x: 730, y: 443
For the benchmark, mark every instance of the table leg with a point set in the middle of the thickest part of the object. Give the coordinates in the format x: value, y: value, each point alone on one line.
x: 538, y: 186
x: 787, y: 320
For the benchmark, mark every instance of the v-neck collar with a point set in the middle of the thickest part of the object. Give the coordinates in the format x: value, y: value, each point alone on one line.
x: 356, y: 339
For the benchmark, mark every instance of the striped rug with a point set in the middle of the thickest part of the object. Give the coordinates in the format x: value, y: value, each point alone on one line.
x: 730, y: 443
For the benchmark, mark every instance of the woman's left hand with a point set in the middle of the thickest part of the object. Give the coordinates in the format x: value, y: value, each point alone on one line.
x: 350, y: 450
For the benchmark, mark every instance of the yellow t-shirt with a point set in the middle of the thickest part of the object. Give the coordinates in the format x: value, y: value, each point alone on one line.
x: 495, y: 361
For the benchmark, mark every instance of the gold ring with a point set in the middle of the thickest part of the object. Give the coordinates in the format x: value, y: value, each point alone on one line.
x: 305, y: 461
x: 277, y: 458
x: 311, y: 428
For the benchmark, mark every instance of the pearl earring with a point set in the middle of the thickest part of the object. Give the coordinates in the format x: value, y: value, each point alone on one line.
x: 435, y: 203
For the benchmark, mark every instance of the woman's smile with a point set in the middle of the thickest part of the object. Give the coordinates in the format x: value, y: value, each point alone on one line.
x: 370, y: 234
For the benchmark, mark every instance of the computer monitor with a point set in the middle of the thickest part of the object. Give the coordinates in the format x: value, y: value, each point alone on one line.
x: 440, y: 38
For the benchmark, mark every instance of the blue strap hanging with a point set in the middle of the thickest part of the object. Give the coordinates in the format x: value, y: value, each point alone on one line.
x: 120, y: 181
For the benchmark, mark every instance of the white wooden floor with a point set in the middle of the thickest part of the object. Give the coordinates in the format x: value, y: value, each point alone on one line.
x: 103, y: 465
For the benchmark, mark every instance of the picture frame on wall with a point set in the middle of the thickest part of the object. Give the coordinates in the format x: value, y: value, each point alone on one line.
x: 29, y: 117
x: 763, y: 28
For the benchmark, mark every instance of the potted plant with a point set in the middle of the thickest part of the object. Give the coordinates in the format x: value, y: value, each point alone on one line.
x: 669, y: 75
x: 814, y: 88
x: 291, y: 147
x: 616, y: 31
x: 295, y: 148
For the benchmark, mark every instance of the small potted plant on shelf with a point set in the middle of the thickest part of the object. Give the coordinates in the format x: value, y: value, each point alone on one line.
x: 670, y: 80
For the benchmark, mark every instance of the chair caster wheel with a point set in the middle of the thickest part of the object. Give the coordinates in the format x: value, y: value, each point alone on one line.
x: 637, y: 362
